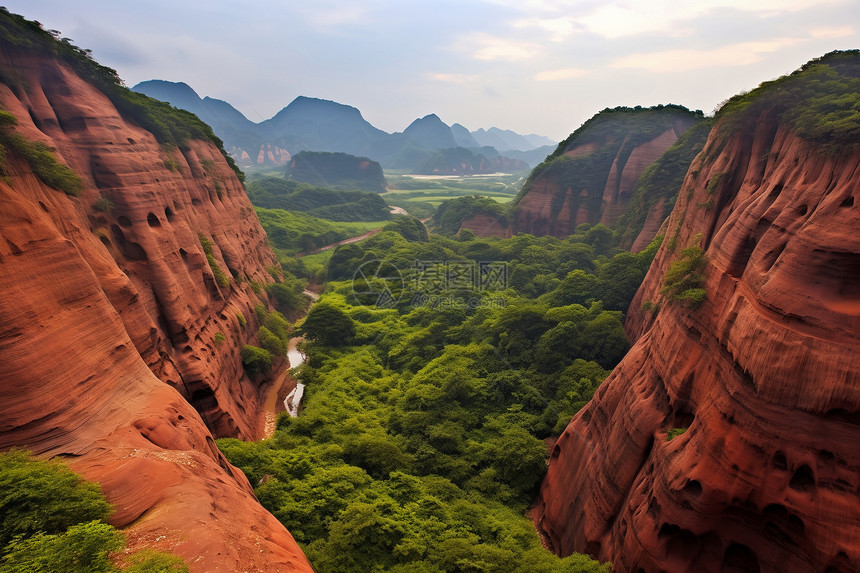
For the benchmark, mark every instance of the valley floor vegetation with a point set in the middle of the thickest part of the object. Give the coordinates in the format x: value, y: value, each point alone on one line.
x: 433, y: 381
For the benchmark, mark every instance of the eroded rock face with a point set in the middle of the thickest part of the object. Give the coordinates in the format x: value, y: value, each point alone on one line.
x: 765, y: 376
x: 599, y: 187
x: 108, y: 322
x: 487, y: 226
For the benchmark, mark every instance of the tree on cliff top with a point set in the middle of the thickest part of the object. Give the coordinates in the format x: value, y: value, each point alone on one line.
x: 328, y: 325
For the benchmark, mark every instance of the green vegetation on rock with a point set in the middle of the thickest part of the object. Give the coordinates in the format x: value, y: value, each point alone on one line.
x: 451, y: 214
x: 614, y: 133
x: 685, y: 279
x: 167, y: 123
x: 53, y: 520
x: 321, y: 202
x: 673, y: 433
x: 38, y: 156
x: 220, y: 276
x: 256, y: 360
x: 820, y: 102
x: 662, y: 180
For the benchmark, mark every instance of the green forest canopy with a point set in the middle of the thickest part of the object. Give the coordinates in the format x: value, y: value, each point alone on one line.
x: 420, y: 443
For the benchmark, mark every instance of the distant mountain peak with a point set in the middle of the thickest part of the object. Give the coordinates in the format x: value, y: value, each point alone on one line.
x: 166, y: 83
x: 311, y: 123
x: 305, y: 102
x: 179, y: 94
x: 431, y: 132
x: 506, y: 139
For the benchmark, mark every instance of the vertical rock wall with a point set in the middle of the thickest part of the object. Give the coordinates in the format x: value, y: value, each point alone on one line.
x: 108, y: 321
x: 762, y: 379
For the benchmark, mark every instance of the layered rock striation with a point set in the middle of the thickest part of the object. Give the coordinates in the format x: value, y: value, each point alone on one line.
x: 729, y: 437
x: 120, y: 328
x: 592, y: 175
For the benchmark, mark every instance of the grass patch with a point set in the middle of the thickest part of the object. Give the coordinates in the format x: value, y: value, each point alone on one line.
x: 685, y: 280
x: 673, y: 433
x: 295, y: 232
x: 103, y: 205
x: 38, y: 156
x: 220, y: 276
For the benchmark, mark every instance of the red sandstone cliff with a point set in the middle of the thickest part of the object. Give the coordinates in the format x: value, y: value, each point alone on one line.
x: 108, y: 321
x: 486, y: 226
x: 592, y: 176
x: 765, y: 375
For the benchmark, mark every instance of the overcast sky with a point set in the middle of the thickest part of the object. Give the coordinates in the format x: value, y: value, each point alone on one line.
x: 533, y: 66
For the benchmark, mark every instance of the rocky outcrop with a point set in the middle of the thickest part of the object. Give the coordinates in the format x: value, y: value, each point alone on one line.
x: 337, y: 170
x: 462, y: 161
x: 272, y: 154
x: 485, y: 225
x: 728, y: 439
x: 592, y: 175
x: 116, y: 329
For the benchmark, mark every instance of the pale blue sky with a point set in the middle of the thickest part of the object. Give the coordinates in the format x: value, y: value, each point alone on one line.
x: 534, y: 66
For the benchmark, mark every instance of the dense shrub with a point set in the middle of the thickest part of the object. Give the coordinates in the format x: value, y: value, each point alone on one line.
x: 53, y: 520
x: 256, y: 360
x: 328, y: 324
x: 684, y: 281
x: 820, y: 101
x: 44, y: 496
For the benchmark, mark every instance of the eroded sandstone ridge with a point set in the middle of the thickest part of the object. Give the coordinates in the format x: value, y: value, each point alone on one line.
x: 116, y: 330
x: 594, y: 177
x: 591, y: 177
x: 729, y: 438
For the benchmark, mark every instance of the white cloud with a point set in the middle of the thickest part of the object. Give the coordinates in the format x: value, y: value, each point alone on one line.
x: 535, y: 6
x: 486, y: 47
x: 621, y: 18
x: 332, y: 15
x: 684, y: 60
x: 454, y: 78
x: 560, y: 74
x: 834, y: 32
x: 557, y: 29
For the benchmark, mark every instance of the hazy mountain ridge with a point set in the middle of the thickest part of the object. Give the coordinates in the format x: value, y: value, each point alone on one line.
x: 311, y: 124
